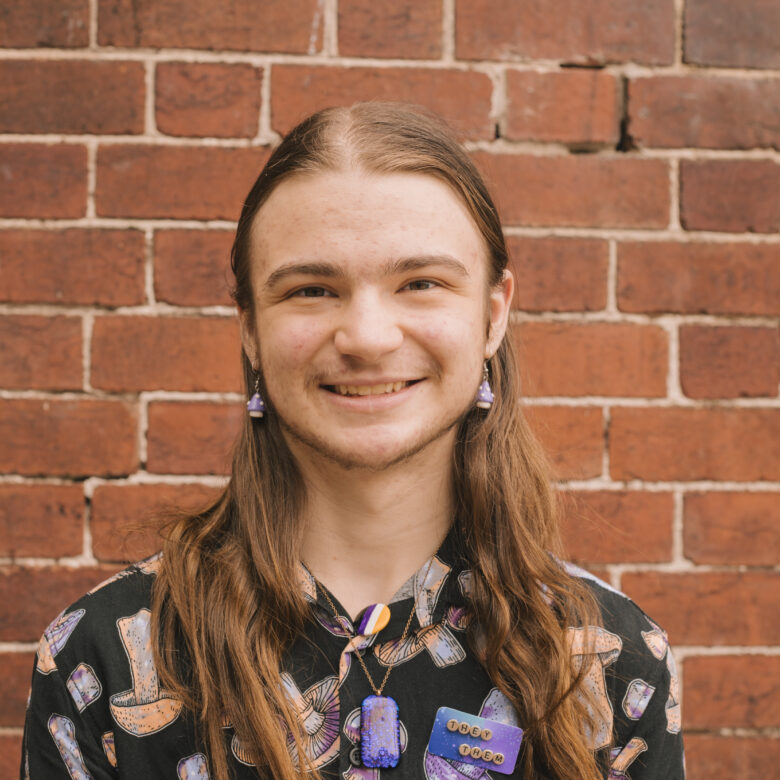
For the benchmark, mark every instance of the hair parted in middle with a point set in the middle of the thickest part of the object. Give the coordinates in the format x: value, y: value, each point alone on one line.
x: 226, y: 605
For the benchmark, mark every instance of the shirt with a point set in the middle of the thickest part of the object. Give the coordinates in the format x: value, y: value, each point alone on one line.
x: 97, y: 709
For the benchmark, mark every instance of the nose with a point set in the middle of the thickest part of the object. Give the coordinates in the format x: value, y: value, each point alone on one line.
x: 367, y: 329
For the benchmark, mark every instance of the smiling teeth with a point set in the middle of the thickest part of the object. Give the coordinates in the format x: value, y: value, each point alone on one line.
x: 389, y: 387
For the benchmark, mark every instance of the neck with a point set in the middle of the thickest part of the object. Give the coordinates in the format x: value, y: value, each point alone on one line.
x: 366, y: 532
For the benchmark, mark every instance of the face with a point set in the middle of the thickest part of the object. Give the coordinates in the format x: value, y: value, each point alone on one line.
x: 373, y: 314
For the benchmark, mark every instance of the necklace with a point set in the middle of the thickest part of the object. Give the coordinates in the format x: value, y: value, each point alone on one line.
x: 380, y: 731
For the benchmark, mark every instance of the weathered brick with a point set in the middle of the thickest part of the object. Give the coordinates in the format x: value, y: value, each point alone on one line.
x: 709, y: 608
x: 732, y: 691
x: 605, y: 359
x: 125, y: 519
x: 573, y: 437
x: 732, y: 528
x: 192, y: 438
x: 208, y: 99
x: 32, y: 23
x: 10, y: 753
x: 41, y: 180
x: 617, y: 526
x: 71, y: 96
x: 180, y: 183
x: 14, y: 687
x: 91, y: 267
x: 166, y: 353
x: 461, y: 97
x: 693, y: 444
x: 192, y: 267
x: 739, y: 35
x: 527, y: 29
x: 67, y: 438
x: 704, y: 112
x: 570, y: 106
x: 722, y: 362
x: 691, y: 278
x: 40, y: 352
x: 278, y: 26
x: 558, y: 274
x: 45, y: 521
x: 733, y: 196
x: 708, y: 756
x: 404, y: 28
x: 578, y: 191
x: 46, y: 591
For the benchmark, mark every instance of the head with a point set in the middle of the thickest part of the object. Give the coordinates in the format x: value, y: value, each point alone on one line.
x: 369, y: 260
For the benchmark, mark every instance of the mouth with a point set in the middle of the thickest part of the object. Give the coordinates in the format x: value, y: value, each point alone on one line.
x: 384, y: 388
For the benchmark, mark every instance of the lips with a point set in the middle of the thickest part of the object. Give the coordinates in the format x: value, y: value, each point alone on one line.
x: 382, y: 388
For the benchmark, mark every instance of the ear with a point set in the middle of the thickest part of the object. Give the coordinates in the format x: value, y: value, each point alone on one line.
x: 499, y: 305
x: 248, y: 336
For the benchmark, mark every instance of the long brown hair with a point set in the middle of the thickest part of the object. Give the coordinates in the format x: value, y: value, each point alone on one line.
x: 226, y: 603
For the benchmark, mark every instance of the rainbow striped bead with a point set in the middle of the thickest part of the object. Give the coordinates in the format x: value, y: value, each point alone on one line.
x: 375, y: 618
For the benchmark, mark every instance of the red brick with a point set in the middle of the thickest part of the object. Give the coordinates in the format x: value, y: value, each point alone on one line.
x: 731, y: 692
x: 573, y: 437
x: 32, y: 23
x: 40, y: 352
x: 91, y: 267
x: 570, y: 106
x: 729, y: 362
x: 709, y: 608
x: 15, y: 686
x: 730, y: 195
x: 166, y: 353
x: 626, y: 30
x: 180, y: 183
x: 404, y: 28
x: 606, y: 359
x: 579, y: 190
x: 617, y: 526
x: 44, y: 521
x: 67, y: 438
x: 740, y: 35
x: 208, y: 99
x: 192, y: 438
x: 41, y: 180
x: 699, y: 278
x: 71, y: 96
x: 461, y: 97
x: 240, y: 25
x: 558, y: 274
x: 30, y: 598
x: 192, y: 267
x: 10, y: 755
x: 732, y: 528
x: 125, y: 519
x: 693, y: 444
x: 710, y: 113
x: 708, y: 756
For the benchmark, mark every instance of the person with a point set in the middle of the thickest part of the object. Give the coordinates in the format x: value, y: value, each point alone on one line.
x: 378, y: 592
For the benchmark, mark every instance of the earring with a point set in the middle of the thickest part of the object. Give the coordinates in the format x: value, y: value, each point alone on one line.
x: 485, y: 395
x: 256, y: 405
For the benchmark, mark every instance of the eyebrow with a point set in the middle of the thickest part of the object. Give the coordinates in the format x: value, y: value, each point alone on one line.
x: 390, y: 268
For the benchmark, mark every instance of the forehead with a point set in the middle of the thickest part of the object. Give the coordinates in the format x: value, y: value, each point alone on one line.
x: 362, y: 220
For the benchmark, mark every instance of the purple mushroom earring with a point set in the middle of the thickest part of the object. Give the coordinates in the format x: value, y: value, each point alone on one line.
x: 256, y: 405
x: 485, y: 395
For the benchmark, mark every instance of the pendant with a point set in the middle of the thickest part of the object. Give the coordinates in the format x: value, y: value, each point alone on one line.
x: 380, y: 735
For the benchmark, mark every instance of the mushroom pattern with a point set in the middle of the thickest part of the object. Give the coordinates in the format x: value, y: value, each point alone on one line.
x: 318, y: 712
x: 84, y: 686
x: 193, y: 767
x: 658, y: 644
x: 496, y: 707
x: 352, y: 733
x: 107, y: 740
x: 146, y: 708
x: 54, y: 639
x: 622, y: 758
x: 63, y: 733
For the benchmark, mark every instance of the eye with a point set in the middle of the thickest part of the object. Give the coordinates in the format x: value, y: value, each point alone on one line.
x: 420, y: 284
x: 310, y: 292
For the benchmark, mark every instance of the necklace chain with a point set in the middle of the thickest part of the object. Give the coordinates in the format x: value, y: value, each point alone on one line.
x: 378, y: 691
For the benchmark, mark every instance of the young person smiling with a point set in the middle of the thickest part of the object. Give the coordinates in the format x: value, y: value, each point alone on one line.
x: 386, y: 547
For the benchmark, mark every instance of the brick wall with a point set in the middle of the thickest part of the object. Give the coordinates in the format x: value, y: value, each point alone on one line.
x: 632, y: 146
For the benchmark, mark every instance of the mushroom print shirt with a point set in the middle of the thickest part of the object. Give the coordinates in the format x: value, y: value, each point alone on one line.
x: 97, y: 708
